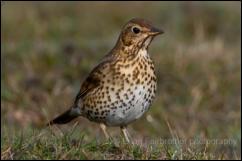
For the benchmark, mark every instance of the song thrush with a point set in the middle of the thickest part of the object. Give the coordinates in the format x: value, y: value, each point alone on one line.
x: 121, y: 88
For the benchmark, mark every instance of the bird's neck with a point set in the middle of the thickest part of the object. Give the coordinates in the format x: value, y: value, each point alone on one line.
x: 122, y: 50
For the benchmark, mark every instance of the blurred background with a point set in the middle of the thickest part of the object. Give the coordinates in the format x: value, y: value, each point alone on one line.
x: 48, y: 49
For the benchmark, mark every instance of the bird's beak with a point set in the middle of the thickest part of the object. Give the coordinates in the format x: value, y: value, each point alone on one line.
x: 155, y: 31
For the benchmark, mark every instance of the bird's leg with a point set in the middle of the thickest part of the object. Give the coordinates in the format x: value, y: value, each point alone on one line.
x: 103, y: 127
x: 125, y: 133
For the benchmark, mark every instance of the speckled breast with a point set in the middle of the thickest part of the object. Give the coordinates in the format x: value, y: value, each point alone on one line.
x: 125, y: 94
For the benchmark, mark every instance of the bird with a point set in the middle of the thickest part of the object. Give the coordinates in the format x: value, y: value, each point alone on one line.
x: 122, y: 86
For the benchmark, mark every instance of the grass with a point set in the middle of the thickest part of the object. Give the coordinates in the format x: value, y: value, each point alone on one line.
x: 48, y: 49
x: 58, y: 144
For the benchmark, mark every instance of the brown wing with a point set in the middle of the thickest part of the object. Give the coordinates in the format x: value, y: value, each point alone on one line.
x: 94, y: 79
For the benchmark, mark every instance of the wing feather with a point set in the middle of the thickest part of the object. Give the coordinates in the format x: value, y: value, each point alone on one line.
x: 94, y: 79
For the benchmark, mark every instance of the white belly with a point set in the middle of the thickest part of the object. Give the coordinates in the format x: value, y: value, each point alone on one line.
x: 133, y: 109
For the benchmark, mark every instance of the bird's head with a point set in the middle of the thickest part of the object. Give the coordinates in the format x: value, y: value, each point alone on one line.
x: 138, y: 32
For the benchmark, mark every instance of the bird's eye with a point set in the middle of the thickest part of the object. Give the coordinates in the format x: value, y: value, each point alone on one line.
x: 136, y: 30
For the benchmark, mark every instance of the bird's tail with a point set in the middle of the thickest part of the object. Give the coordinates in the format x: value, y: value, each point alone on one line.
x: 66, y: 117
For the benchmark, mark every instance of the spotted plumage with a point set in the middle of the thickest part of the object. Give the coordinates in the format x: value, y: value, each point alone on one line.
x: 121, y: 88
